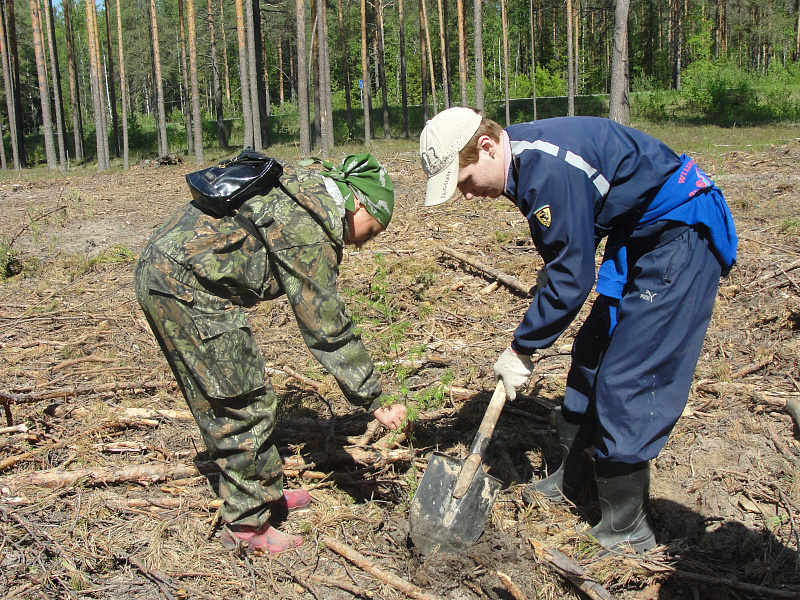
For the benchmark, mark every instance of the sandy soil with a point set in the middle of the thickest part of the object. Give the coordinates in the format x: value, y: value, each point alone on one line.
x: 103, y: 496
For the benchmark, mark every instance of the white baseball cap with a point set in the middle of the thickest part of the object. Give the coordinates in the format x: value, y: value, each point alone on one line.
x: 443, y: 137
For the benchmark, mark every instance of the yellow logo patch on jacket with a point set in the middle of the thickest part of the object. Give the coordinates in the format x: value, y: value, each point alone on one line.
x: 543, y: 216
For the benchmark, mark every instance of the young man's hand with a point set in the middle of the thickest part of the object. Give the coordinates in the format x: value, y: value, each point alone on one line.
x: 514, y: 369
x: 391, y: 416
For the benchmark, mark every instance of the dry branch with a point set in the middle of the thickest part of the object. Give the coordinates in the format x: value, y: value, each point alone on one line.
x: 83, y: 391
x: 506, y: 280
x: 570, y: 571
x: 151, y: 473
x: 368, y: 565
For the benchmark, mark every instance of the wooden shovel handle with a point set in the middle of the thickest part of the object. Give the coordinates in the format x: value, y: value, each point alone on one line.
x: 473, y: 461
x: 493, y: 411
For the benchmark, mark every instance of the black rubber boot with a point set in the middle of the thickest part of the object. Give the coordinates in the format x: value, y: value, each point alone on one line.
x: 624, y: 492
x: 575, y: 470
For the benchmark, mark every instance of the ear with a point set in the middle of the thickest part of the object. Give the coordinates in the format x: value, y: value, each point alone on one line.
x: 487, y: 144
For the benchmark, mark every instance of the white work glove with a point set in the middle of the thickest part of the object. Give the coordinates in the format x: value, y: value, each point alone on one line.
x: 514, y: 369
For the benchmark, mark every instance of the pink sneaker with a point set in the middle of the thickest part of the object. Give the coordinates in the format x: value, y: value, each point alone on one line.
x: 266, y: 540
x: 292, y: 500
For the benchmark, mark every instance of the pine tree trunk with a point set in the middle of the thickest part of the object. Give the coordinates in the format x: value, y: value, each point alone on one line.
x: 387, y: 133
x: 187, y: 111
x: 196, y: 117
x: 570, y: 66
x: 95, y: 82
x: 252, y: 80
x: 302, y: 79
x: 56, y: 75
x: 44, y: 88
x: 225, y: 53
x: 533, y: 57
x: 13, y: 54
x: 478, y: 52
x: 423, y: 60
x: 619, y: 106
x: 247, y: 114
x: 346, y: 66
x: 163, y: 145
x: 112, y: 90
x: 462, y: 52
x: 443, y: 47
x: 315, y: 77
x: 328, y: 97
x: 222, y: 137
x: 365, y: 97
x: 123, y: 89
x: 9, y: 89
x: 403, y: 85
x: 260, y: 83
x: 505, y: 60
x: 430, y: 56
x: 74, y: 89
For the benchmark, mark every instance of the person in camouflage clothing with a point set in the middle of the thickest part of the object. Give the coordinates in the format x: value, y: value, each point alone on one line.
x: 193, y: 280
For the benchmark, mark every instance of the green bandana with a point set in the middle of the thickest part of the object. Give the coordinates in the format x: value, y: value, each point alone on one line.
x: 361, y: 176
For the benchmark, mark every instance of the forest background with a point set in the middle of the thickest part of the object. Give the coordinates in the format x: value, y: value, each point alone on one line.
x: 88, y: 83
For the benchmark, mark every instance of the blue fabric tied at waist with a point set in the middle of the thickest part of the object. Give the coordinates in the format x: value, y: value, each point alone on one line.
x: 689, y: 197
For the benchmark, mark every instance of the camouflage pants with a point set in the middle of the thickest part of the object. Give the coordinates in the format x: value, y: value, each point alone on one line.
x: 214, y: 357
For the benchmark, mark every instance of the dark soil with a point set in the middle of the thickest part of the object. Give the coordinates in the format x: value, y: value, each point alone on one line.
x: 78, y: 358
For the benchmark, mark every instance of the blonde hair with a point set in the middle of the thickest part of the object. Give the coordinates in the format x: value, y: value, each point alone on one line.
x: 469, y: 153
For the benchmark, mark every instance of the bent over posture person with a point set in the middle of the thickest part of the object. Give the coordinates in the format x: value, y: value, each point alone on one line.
x: 669, y: 236
x: 193, y: 280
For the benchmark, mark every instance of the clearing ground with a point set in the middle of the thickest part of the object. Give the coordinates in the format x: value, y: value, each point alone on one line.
x: 105, y: 493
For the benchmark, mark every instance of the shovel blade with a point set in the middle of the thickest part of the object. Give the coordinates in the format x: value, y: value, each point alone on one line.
x: 439, y: 521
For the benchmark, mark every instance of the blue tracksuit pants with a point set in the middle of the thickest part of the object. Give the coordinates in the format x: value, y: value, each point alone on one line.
x: 632, y: 380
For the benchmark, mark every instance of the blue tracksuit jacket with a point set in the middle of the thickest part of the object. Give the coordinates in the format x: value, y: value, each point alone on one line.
x: 669, y: 236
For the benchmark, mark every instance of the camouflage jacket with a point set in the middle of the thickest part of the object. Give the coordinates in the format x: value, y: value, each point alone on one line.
x: 305, y: 244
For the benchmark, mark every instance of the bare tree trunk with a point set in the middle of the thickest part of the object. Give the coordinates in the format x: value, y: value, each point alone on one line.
x: 365, y: 97
x: 9, y: 89
x: 163, y: 145
x: 570, y: 66
x: 56, y: 75
x: 403, y: 90
x: 533, y: 58
x: 315, y: 78
x: 443, y: 47
x: 74, y: 90
x: 101, y: 134
x: 422, y: 59
x: 185, y: 74
x: 478, y: 51
x: 123, y: 88
x: 260, y: 83
x: 430, y: 55
x: 196, y: 118
x: 387, y: 133
x: 677, y: 42
x: 44, y: 88
x: 619, y: 106
x: 247, y: 114
x: 225, y: 53
x: 222, y: 137
x: 280, y: 69
x: 462, y: 52
x: 346, y: 67
x: 13, y: 54
x: 302, y: 79
x: 252, y: 80
x: 324, y: 82
x: 505, y: 60
x: 112, y: 91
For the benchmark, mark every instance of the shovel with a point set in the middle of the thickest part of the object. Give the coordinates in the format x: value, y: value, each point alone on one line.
x: 455, y: 496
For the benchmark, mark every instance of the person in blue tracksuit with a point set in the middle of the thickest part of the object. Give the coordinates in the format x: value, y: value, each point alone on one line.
x: 669, y: 236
